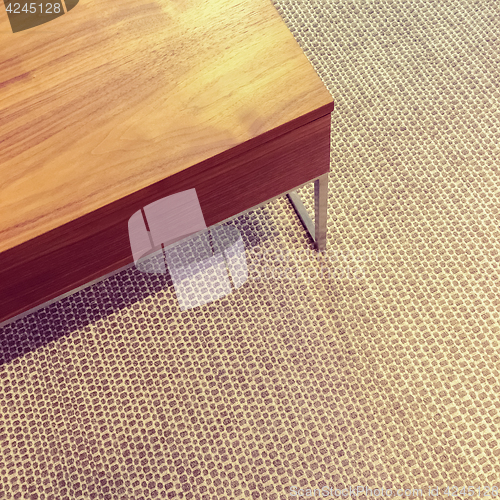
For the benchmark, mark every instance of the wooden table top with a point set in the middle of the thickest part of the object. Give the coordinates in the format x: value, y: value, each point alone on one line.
x: 115, y: 96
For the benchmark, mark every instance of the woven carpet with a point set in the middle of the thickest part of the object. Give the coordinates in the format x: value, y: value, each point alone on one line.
x: 370, y: 371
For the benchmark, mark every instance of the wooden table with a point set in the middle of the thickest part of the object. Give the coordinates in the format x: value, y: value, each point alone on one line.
x: 114, y: 105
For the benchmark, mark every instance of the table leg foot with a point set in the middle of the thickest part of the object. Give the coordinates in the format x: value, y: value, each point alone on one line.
x: 316, y: 230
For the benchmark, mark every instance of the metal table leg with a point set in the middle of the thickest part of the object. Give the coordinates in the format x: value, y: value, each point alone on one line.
x: 318, y: 229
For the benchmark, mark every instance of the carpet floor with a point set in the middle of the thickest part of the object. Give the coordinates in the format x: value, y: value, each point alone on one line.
x: 373, y: 367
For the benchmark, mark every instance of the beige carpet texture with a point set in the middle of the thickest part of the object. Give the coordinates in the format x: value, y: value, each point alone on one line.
x: 370, y: 371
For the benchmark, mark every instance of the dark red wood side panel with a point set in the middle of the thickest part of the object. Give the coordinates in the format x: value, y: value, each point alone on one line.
x: 96, y: 244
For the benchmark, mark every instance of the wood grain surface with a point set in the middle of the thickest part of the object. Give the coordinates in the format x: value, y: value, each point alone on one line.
x: 115, y: 105
x: 113, y: 97
x: 96, y: 244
